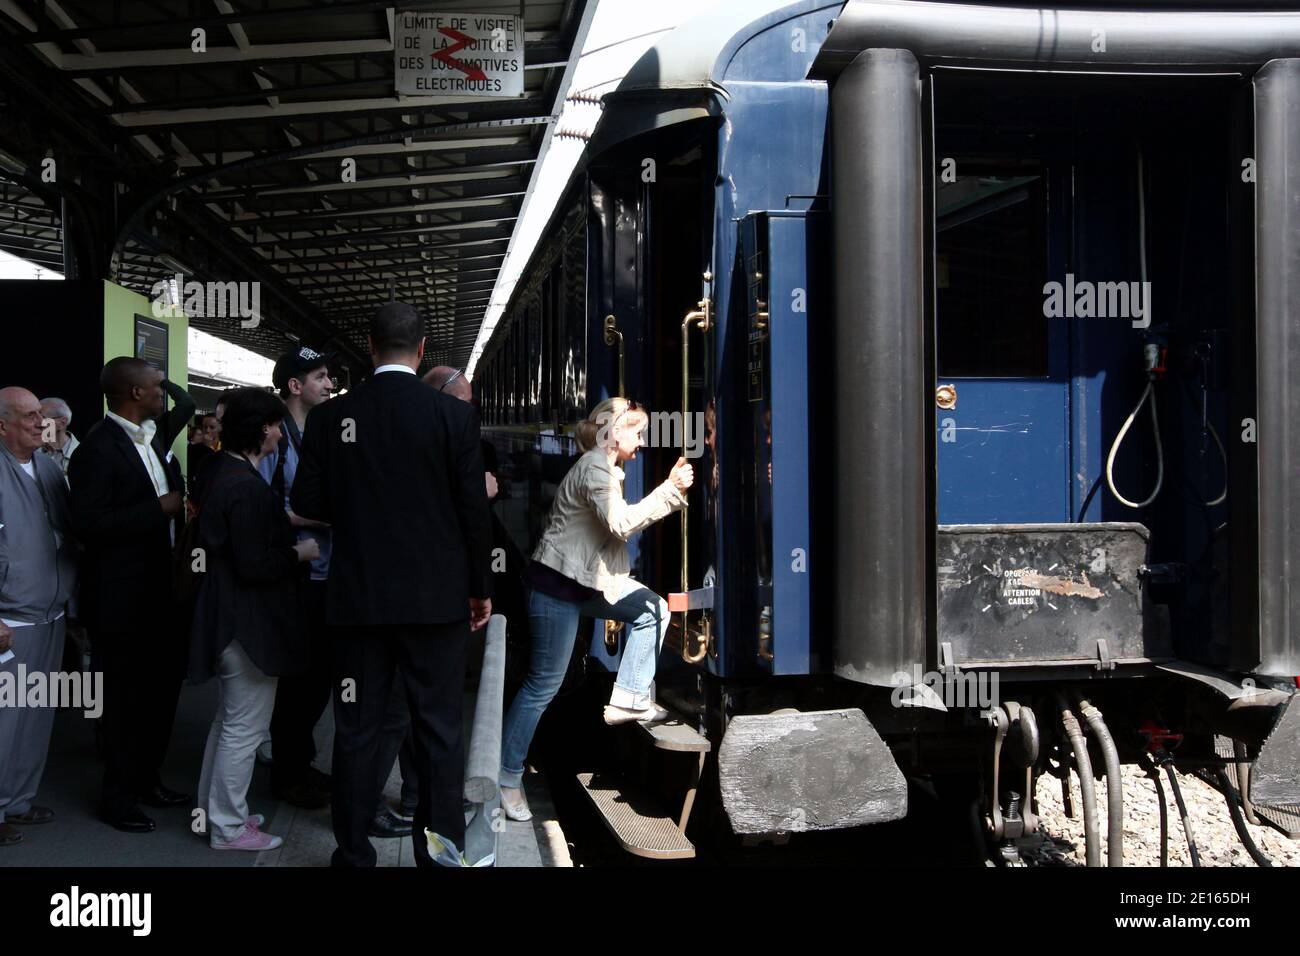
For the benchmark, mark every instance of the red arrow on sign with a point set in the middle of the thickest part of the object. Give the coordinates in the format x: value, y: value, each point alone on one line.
x: 445, y: 54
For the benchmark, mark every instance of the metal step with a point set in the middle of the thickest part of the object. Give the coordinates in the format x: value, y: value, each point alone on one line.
x: 637, y: 821
x: 1285, y: 819
x: 675, y: 735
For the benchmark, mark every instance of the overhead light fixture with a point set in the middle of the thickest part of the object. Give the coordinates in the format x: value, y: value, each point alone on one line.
x: 12, y: 164
x: 175, y: 265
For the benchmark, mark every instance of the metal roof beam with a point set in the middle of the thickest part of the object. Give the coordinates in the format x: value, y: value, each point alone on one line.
x: 538, y: 55
x: 372, y: 106
x: 409, y: 209
x: 398, y: 253
x: 413, y: 180
x: 344, y: 276
x: 267, y: 15
x: 299, y: 242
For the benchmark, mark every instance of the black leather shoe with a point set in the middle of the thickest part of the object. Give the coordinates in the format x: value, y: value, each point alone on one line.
x: 129, y: 820
x: 319, y: 779
x: 386, y: 825
x: 164, y: 797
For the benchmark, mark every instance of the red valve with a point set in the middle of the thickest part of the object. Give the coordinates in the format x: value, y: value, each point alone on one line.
x: 1157, y: 737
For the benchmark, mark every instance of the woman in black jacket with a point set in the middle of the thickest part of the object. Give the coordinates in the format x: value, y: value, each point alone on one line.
x: 246, y: 623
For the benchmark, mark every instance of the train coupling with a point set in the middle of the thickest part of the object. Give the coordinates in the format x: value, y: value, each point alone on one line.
x: 1016, y: 740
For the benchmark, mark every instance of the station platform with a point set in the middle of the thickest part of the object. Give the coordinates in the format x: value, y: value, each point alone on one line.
x: 76, y: 837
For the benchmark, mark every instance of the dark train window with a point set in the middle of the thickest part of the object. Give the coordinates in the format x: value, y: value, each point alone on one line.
x: 990, y: 267
x: 534, y: 355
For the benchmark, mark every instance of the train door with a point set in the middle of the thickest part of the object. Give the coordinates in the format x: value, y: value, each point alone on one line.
x: 649, y: 215
x: 1003, y: 382
x: 679, y: 217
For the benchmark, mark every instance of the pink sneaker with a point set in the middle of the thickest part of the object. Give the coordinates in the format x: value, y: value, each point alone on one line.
x: 256, y: 821
x: 250, y: 838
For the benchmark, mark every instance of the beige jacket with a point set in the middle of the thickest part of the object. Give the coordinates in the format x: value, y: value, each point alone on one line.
x: 586, y: 537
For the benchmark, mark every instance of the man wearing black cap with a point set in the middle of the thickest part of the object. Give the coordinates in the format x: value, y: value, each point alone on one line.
x: 303, y: 380
x: 396, y: 470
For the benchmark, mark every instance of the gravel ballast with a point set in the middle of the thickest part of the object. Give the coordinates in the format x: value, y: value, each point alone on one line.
x: 1216, y: 838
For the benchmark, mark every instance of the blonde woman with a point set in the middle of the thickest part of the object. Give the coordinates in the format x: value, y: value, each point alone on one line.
x: 581, y: 567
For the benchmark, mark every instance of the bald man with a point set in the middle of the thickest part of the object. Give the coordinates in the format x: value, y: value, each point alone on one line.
x: 126, y: 499
x: 452, y: 381
x: 38, y: 575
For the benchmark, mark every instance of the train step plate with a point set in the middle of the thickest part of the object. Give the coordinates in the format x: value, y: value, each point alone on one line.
x: 675, y: 735
x: 637, y: 821
x: 1284, y: 818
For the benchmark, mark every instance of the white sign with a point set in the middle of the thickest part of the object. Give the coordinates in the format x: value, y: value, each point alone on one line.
x: 458, y: 54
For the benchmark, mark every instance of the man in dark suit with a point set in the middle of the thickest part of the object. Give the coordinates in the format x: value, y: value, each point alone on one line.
x: 395, y: 468
x: 126, y: 499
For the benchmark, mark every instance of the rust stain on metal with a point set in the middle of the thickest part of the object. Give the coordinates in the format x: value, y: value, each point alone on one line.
x: 1058, y: 585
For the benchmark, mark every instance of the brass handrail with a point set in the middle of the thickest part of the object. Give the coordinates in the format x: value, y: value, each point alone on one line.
x: 701, y: 316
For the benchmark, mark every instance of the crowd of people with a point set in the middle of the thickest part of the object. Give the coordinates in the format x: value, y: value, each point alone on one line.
x: 325, y: 548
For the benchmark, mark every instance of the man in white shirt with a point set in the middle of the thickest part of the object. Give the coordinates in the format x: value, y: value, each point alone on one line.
x: 126, y: 501
x: 37, y: 580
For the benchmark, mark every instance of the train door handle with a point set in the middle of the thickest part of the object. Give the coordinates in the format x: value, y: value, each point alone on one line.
x: 614, y: 337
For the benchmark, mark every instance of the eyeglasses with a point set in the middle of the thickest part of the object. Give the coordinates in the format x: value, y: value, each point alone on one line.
x: 454, y: 375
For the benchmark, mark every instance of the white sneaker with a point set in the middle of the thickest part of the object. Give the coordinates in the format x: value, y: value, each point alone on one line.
x: 515, y: 804
x: 652, y: 713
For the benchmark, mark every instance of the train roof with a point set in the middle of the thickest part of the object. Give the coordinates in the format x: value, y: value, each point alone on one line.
x: 695, y: 55
x: 680, y: 78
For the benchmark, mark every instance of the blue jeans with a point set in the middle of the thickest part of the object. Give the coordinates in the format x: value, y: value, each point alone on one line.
x: 554, y: 626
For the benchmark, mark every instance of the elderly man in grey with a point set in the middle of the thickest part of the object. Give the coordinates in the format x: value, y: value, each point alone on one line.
x: 37, y: 580
x: 55, y: 411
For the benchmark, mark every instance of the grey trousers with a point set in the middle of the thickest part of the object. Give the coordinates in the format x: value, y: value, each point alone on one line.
x: 25, y: 731
x: 241, y: 721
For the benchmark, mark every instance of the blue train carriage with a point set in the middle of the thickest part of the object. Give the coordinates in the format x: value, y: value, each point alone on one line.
x: 964, y: 312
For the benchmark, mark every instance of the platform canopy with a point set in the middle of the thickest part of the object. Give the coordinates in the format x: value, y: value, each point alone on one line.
x: 264, y: 140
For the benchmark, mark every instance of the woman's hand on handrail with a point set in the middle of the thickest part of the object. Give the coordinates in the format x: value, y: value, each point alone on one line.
x: 682, y: 476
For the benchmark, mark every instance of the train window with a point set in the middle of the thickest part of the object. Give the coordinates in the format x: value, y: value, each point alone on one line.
x: 534, y: 359
x: 991, y: 263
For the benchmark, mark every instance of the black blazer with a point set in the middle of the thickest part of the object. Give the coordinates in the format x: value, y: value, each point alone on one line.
x: 249, y: 589
x: 127, y: 564
x: 395, y: 468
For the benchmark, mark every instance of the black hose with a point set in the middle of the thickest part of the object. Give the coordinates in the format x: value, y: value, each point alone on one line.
x: 1182, y: 810
x: 1114, y: 783
x: 1243, y: 778
x: 1154, y: 773
x: 1234, y: 809
x: 1088, y: 500
x: 1083, y: 764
